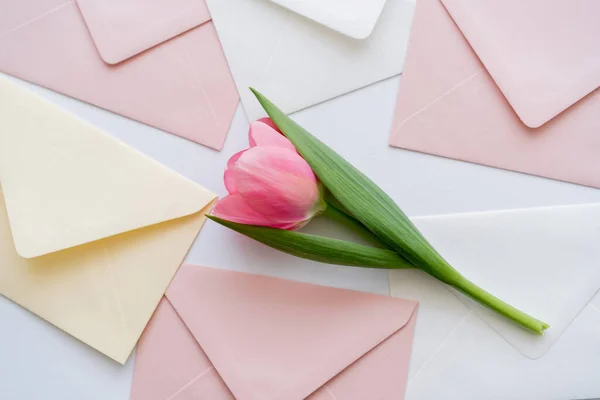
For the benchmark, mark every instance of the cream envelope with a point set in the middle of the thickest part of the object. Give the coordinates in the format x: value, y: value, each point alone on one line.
x: 298, y: 63
x: 91, y: 231
x: 355, y: 18
x: 544, y: 261
x: 157, y: 61
x: 500, y: 84
x: 229, y: 335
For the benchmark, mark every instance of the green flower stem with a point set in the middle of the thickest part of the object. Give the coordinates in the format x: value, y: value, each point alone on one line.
x: 319, y: 248
x: 488, y: 300
x: 459, y: 282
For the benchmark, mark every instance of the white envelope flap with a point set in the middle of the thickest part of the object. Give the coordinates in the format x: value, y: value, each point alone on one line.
x: 543, y: 55
x: 297, y: 63
x: 274, y: 339
x: 123, y: 28
x: 544, y: 261
x: 355, y: 18
x: 67, y: 183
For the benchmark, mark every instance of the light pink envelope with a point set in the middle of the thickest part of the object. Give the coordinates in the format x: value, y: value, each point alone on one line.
x: 509, y: 84
x: 156, y: 61
x: 224, y: 335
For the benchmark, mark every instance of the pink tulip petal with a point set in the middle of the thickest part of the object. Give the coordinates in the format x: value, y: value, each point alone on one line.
x: 230, y: 182
x: 269, y: 121
x: 235, y: 209
x: 277, y: 183
x: 234, y: 158
x: 261, y: 134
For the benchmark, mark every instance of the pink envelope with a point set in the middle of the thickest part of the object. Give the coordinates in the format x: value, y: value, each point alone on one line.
x: 510, y: 84
x: 224, y: 335
x: 156, y: 61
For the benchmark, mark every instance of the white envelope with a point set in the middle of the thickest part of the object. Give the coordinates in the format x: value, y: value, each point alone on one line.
x: 544, y: 261
x: 355, y: 18
x: 298, y: 63
x: 91, y: 231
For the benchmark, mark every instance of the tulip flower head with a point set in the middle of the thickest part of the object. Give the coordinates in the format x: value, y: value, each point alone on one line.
x: 270, y: 184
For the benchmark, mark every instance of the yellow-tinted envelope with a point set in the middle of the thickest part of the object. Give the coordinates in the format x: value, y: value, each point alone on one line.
x: 91, y: 231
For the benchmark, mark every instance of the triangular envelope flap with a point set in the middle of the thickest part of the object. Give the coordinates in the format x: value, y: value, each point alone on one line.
x: 544, y: 261
x: 355, y: 18
x: 273, y: 339
x: 123, y: 28
x: 277, y: 41
x: 543, y: 55
x: 66, y: 182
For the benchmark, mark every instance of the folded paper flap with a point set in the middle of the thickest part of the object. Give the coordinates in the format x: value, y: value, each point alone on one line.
x: 544, y: 261
x: 355, y: 18
x: 275, y: 43
x: 169, y: 363
x: 266, y: 327
x: 104, y: 292
x: 124, y: 28
x: 448, y: 105
x: 182, y: 86
x: 544, y: 56
x: 67, y: 183
x: 461, y: 66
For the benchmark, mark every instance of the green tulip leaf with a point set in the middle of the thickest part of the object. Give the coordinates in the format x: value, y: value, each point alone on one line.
x: 319, y: 248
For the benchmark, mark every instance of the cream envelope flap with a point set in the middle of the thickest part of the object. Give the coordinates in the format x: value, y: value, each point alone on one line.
x: 355, y: 18
x: 297, y: 63
x: 544, y: 261
x: 270, y: 338
x: 124, y: 28
x: 117, y: 223
x: 66, y: 182
x: 543, y: 55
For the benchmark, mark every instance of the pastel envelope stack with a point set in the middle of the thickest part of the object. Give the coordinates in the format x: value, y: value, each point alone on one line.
x: 157, y: 62
x: 506, y: 84
x: 221, y: 335
x: 298, y: 63
x: 91, y: 231
x: 544, y: 261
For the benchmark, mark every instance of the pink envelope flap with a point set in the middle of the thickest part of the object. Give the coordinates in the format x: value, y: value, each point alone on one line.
x: 448, y: 105
x: 543, y: 55
x: 312, y: 332
x: 123, y: 28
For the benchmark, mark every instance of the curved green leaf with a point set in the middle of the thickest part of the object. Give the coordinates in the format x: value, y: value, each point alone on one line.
x: 319, y: 248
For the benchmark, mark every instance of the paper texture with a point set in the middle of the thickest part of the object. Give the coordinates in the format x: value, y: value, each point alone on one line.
x: 272, y: 339
x: 182, y: 86
x: 355, y: 18
x: 449, y: 105
x: 543, y: 261
x: 123, y: 28
x: 297, y: 63
x: 91, y: 231
x: 544, y: 56
x: 484, y: 367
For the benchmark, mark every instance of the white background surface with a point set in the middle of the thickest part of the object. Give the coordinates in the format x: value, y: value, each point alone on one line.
x: 38, y: 361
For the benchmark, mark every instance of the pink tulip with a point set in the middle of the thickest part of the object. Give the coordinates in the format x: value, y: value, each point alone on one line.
x: 270, y: 184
